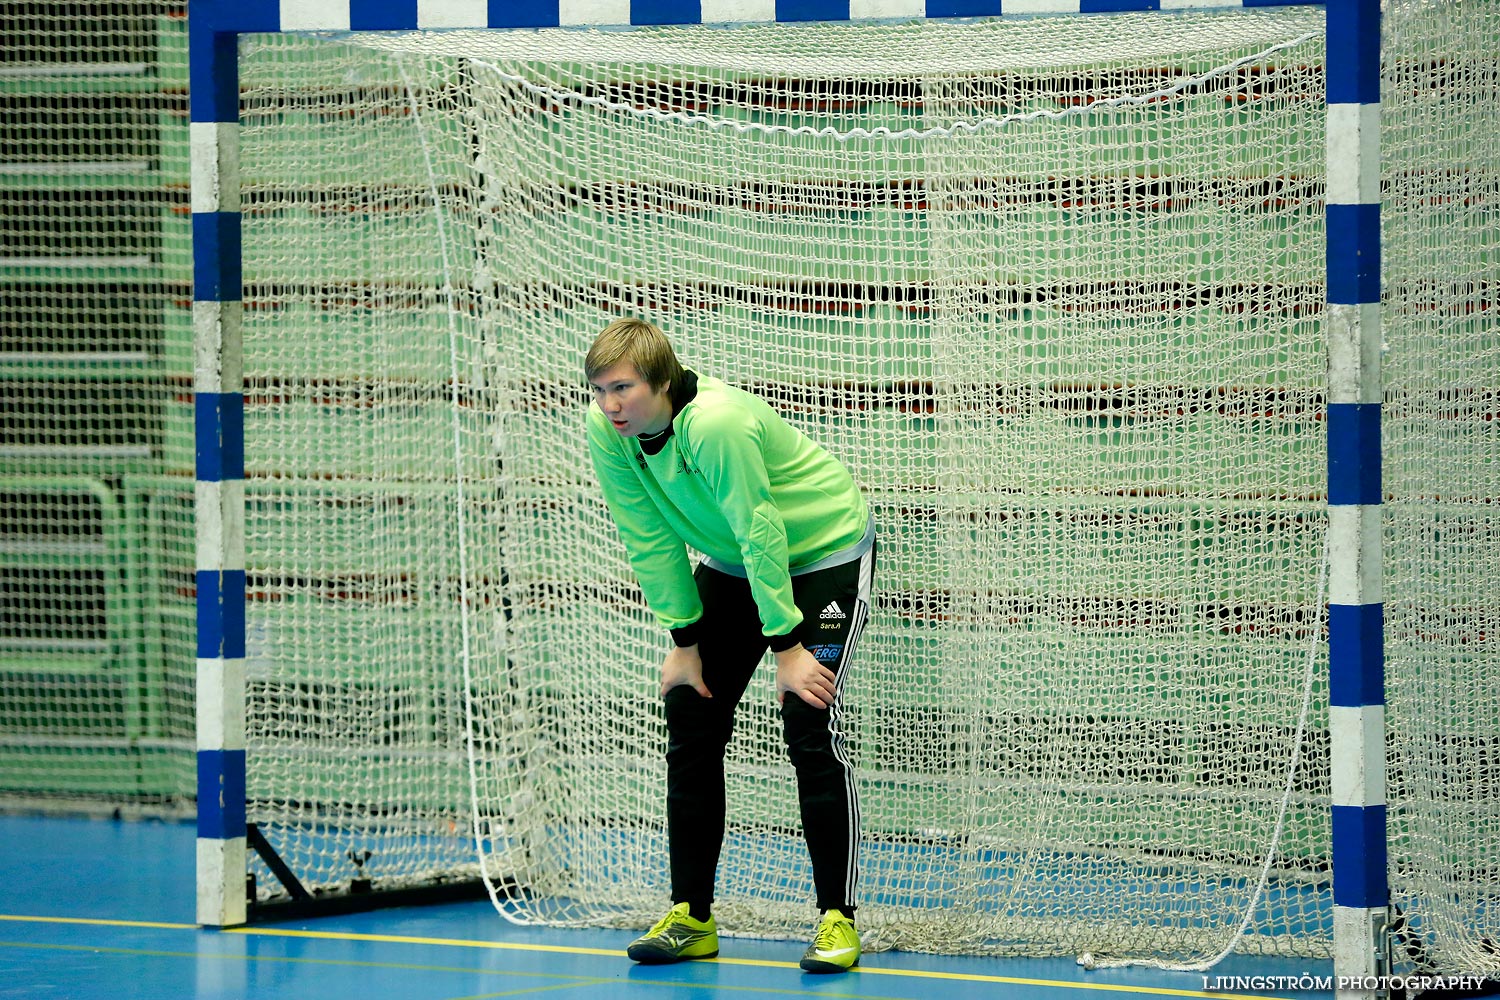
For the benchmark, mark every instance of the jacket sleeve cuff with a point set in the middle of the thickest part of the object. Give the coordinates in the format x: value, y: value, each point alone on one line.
x: 687, y: 635
x: 784, y: 642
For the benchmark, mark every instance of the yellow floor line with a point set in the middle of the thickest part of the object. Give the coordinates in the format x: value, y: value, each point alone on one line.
x: 94, y: 922
x: 611, y: 953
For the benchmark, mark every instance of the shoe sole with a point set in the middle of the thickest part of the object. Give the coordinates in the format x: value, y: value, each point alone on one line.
x: 646, y: 955
x: 825, y: 968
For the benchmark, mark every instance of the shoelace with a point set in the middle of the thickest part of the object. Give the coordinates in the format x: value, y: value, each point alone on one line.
x: 828, y: 934
x: 662, y: 924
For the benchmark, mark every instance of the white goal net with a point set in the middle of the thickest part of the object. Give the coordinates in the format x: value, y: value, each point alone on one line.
x: 1051, y: 288
x: 1440, y: 173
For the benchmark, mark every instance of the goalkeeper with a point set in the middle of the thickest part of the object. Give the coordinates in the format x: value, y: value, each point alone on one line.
x: 789, y: 546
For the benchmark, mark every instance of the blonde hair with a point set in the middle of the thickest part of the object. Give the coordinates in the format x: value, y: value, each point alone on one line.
x: 642, y: 344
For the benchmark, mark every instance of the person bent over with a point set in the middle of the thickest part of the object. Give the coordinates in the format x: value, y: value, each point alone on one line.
x: 789, y: 550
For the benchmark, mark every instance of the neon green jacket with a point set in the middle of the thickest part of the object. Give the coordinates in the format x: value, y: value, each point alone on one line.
x: 739, y: 484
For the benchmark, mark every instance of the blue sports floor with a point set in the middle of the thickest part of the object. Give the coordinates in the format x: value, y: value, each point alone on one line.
x: 104, y: 909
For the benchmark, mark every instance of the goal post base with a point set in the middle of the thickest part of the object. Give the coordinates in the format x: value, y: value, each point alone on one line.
x: 343, y: 901
x: 359, y: 894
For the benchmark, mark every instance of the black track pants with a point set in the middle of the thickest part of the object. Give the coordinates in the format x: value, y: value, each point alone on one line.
x: 835, y: 605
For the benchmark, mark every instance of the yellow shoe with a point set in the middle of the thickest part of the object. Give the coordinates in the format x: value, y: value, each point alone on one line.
x: 835, y: 947
x: 677, y: 937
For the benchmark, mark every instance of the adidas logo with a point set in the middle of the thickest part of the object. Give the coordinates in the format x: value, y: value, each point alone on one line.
x: 832, y: 611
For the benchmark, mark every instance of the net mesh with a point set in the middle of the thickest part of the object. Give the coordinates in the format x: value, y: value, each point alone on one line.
x: 96, y: 669
x: 1050, y: 288
x: 1441, y: 229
